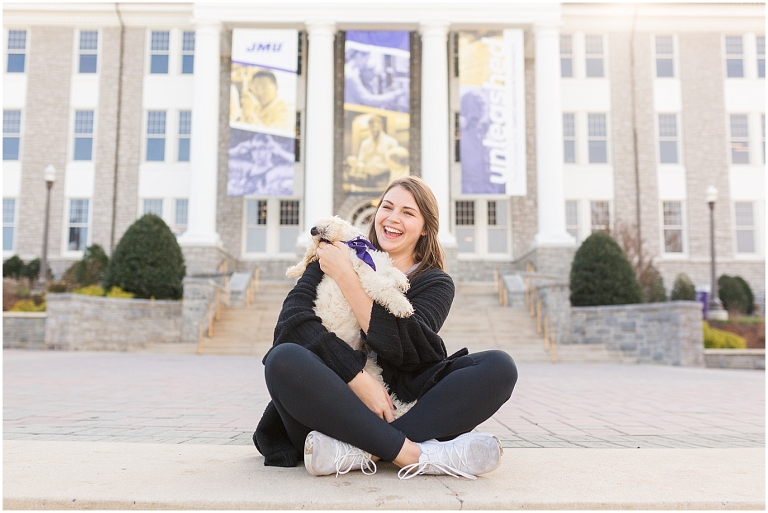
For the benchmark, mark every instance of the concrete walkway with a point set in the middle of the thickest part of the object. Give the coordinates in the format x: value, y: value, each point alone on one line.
x: 173, y: 431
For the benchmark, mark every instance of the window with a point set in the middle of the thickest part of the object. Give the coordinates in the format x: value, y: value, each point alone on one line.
x: 734, y: 56
x: 78, y: 224
x: 180, y: 216
x: 673, y: 227
x: 185, y: 129
x: 89, y: 45
x: 159, y: 45
x: 594, y: 50
x: 17, y: 51
x: 289, y: 225
x: 187, y: 52
x: 665, y: 64
x: 465, y: 226
x: 761, y: 56
x: 83, y: 135
x: 569, y: 138
x: 566, y: 55
x: 497, y: 226
x: 256, y: 226
x: 668, y: 138
x: 156, y: 136
x: 9, y: 223
x: 745, y: 227
x: 153, y: 206
x: 11, y: 134
x: 739, y: 139
x: 572, y: 218
x: 600, y: 216
x: 598, y: 139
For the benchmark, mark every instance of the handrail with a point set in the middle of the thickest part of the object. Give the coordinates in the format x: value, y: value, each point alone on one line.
x: 535, y: 309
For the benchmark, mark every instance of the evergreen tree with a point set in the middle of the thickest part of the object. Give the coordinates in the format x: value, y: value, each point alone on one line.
x: 602, y: 275
x: 147, y: 261
x: 683, y: 289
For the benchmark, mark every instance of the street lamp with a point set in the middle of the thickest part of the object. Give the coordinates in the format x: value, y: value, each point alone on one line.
x: 715, y: 307
x: 50, y: 177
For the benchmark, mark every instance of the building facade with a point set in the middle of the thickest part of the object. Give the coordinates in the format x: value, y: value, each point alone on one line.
x: 627, y: 114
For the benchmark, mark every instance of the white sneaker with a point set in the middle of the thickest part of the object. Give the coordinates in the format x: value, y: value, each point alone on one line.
x: 324, y: 455
x: 468, y: 455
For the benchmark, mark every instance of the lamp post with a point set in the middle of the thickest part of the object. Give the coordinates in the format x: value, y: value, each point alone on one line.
x: 715, y: 307
x: 50, y: 177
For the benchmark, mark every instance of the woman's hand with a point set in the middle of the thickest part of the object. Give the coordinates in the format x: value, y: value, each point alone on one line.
x: 334, y: 260
x: 373, y: 394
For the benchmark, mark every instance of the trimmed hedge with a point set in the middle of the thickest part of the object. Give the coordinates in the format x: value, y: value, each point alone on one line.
x: 719, y: 339
x: 683, y: 289
x: 147, y: 261
x: 602, y: 275
x: 735, y: 294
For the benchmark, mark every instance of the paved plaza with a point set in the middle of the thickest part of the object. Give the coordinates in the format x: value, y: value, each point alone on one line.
x: 172, y: 430
x: 190, y: 399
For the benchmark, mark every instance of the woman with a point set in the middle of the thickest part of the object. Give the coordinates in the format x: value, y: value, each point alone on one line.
x: 325, y: 403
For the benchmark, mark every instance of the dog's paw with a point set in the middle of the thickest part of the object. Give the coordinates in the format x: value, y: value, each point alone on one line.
x: 400, y: 307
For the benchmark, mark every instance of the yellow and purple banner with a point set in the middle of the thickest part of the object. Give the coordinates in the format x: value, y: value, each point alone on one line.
x: 492, y: 117
x: 377, y: 83
x: 262, y: 112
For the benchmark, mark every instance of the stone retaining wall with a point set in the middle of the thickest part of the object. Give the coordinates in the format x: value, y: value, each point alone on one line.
x: 24, y: 330
x: 77, y: 322
x: 666, y: 333
x: 735, y: 358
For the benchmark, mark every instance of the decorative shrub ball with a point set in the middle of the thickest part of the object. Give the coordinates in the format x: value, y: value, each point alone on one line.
x: 683, y: 289
x: 147, y: 261
x: 602, y: 275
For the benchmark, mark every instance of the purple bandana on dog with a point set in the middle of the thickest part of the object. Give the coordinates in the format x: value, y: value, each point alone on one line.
x: 361, y: 247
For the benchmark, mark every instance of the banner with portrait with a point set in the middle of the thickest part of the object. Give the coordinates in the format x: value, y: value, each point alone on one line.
x: 377, y: 121
x: 492, y: 115
x: 262, y: 112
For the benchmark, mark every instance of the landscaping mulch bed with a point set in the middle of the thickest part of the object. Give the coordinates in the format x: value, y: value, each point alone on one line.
x: 753, y: 332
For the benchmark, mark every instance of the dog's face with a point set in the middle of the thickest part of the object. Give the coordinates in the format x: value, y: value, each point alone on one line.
x: 333, y: 229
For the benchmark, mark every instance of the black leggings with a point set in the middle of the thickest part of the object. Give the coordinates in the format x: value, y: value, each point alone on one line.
x: 310, y: 396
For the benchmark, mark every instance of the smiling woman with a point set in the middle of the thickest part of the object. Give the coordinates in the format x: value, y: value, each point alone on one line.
x: 325, y: 404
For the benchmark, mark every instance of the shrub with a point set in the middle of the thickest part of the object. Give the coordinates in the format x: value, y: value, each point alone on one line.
x: 28, y: 305
x: 602, y: 275
x: 719, y: 339
x: 117, y: 292
x: 31, y: 270
x: 735, y: 294
x: 90, y: 290
x: 13, y: 267
x: 652, y: 285
x: 90, y: 270
x: 147, y: 261
x: 683, y: 289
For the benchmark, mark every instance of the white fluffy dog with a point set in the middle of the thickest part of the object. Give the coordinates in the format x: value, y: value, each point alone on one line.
x: 386, y: 285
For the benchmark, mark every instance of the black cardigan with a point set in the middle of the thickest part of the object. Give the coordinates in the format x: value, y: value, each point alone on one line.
x: 410, y: 352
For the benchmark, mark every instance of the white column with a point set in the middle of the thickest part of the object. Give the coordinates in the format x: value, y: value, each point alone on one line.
x: 318, y: 171
x: 204, y: 144
x: 549, y: 140
x: 435, y: 125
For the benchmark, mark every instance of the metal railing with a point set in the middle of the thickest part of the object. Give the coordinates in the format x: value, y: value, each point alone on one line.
x: 222, y: 296
x: 534, y: 305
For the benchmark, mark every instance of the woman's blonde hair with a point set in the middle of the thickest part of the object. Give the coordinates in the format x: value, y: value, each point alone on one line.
x: 428, y: 250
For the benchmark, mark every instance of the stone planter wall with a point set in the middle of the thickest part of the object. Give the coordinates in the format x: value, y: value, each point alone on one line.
x: 666, y: 333
x: 735, y: 358
x: 87, y: 323
x: 24, y: 330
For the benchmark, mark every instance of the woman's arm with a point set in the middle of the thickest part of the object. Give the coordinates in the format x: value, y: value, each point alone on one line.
x: 298, y: 324
x: 413, y: 342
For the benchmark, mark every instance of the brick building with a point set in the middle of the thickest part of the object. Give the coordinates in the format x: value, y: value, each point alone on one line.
x: 630, y: 114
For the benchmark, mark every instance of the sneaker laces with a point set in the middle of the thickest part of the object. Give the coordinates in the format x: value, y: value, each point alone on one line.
x: 455, y: 455
x: 345, y: 453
